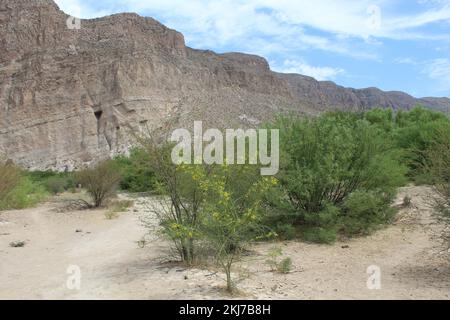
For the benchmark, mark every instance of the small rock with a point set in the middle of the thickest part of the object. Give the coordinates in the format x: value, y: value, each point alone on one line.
x: 78, y: 230
x: 345, y: 247
x: 17, y: 244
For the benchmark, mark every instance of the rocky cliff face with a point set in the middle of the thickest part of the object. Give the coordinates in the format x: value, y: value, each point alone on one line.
x: 69, y: 97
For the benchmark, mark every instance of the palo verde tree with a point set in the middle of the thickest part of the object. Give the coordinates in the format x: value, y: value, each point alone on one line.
x: 180, y: 197
x: 232, y: 211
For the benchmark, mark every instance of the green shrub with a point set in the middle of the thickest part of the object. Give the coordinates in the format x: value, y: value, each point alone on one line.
x: 25, y: 194
x: 319, y: 235
x: 417, y: 133
x: 273, y: 256
x: 438, y: 168
x: 54, y: 182
x: 282, y: 266
x: 136, y: 170
x: 232, y: 212
x: 285, y: 231
x: 285, y: 265
x: 364, y: 212
x: 10, y: 177
x: 101, y: 182
x: 326, y: 161
x: 56, y: 185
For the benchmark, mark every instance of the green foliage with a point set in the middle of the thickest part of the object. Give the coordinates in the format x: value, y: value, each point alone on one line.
x: 232, y: 212
x: 415, y: 133
x: 181, y: 197
x: 328, y: 161
x: 216, y: 207
x: 327, y: 158
x: 364, y: 212
x: 137, y: 174
x: 285, y: 231
x: 17, y: 191
x: 319, y: 235
x: 339, y: 173
x: 276, y: 263
x: 53, y: 182
x: 285, y: 265
x: 26, y: 194
x: 10, y: 177
x: 438, y: 168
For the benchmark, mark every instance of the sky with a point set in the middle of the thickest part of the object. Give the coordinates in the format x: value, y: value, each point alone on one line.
x: 391, y: 44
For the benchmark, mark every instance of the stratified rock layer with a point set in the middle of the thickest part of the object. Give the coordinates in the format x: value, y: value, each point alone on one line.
x: 69, y: 97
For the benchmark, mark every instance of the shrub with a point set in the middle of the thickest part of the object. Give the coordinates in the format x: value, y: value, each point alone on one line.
x: 26, y: 194
x: 274, y: 262
x: 181, y: 197
x: 321, y: 227
x: 319, y: 235
x: 232, y: 212
x: 117, y: 207
x: 137, y: 173
x: 273, y: 256
x: 364, y: 212
x: 56, y: 185
x: 417, y: 133
x: 325, y: 160
x: 211, y: 206
x: 10, y: 177
x: 101, y: 182
x: 285, y: 231
x: 438, y: 167
x: 54, y: 182
x: 285, y: 265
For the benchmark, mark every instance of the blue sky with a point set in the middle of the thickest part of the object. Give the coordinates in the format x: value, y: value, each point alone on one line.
x: 391, y: 44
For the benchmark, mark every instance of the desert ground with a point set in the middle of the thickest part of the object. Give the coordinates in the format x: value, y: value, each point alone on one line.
x: 412, y: 255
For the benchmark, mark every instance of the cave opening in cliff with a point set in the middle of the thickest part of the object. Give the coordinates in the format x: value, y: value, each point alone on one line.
x: 98, y: 115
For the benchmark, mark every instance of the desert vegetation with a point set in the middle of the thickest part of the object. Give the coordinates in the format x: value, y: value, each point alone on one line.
x: 101, y: 181
x: 17, y: 190
x: 339, y: 174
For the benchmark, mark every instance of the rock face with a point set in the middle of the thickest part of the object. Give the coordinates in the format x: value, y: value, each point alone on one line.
x: 69, y: 97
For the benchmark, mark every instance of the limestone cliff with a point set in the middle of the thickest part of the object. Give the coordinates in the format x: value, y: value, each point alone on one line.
x: 69, y: 97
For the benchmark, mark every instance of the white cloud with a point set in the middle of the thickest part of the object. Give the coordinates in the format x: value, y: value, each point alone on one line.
x: 408, y: 60
x: 80, y: 9
x: 438, y: 69
x: 301, y: 67
x: 242, y: 23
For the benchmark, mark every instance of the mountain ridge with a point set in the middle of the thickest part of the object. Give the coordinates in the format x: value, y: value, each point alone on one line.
x: 69, y: 97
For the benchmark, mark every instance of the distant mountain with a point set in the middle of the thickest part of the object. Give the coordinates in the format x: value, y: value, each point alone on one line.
x: 68, y: 97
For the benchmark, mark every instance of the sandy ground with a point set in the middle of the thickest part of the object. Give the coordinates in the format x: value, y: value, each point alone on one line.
x: 412, y: 256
